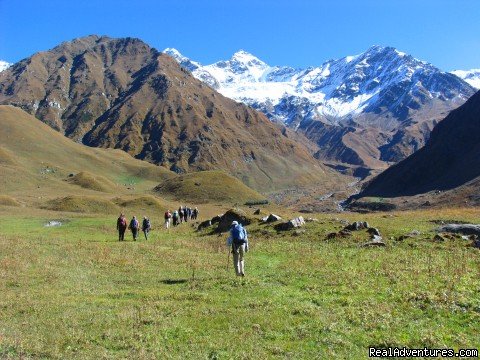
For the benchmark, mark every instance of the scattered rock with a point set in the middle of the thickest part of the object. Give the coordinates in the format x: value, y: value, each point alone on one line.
x: 357, y: 225
x: 404, y: 237
x: 71, y: 175
x: 273, y: 218
x: 427, y: 203
x: 204, y: 224
x: 216, y: 219
x: 414, y: 233
x: 373, y: 231
x: 256, y: 212
x: 476, y: 244
x: 438, y: 238
x: 53, y: 223
x: 465, y: 229
x: 292, y: 224
x: 311, y: 220
x: 230, y: 216
x: 376, y: 241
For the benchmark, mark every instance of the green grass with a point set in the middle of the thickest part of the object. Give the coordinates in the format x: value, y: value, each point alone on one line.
x: 75, y: 292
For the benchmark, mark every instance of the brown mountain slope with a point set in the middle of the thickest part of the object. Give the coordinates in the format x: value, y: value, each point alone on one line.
x: 36, y: 160
x: 450, y: 158
x: 120, y: 93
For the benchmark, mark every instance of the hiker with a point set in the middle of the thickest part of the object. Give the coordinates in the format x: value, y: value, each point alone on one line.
x: 146, y: 227
x: 195, y: 213
x: 238, y: 240
x: 121, y: 227
x: 134, y: 225
x: 175, y: 218
x: 180, y: 214
x: 167, y: 217
x: 189, y: 213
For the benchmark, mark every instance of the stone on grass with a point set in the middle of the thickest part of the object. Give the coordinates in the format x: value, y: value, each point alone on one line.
x: 204, y: 224
x: 273, y: 218
x: 230, y: 216
x: 291, y: 224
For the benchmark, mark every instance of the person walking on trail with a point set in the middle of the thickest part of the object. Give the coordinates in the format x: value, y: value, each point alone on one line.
x: 195, y: 213
x: 146, y: 226
x: 134, y: 227
x: 238, y: 240
x: 175, y: 218
x: 121, y: 227
x: 180, y: 214
x: 167, y: 216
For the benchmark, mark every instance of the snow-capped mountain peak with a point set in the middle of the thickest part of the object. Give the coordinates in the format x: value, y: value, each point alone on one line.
x: 4, y: 65
x: 470, y: 76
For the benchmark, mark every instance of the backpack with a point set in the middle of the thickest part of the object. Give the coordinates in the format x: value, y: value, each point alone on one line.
x: 146, y: 224
x: 167, y: 215
x: 122, y: 222
x: 238, y: 234
x: 134, y: 224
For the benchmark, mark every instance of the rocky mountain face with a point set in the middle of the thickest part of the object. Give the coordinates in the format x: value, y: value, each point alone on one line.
x: 121, y: 93
x: 450, y: 159
x: 470, y: 76
x: 367, y: 110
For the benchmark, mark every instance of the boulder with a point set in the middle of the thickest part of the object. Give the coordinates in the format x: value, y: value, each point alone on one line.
x: 204, y: 224
x: 216, y: 219
x: 311, y: 220
x: 464, y: 229
x: 476, y: 244
x: 256, y: 212
x: 438, y: 238
x: 291, y: 224
x: 373, y: 231
x: 273, y: 218
x: 357, y: 225
x: 230, y: 216
x: 377, y: 241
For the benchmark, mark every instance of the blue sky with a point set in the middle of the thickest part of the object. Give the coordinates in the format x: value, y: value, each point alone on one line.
x: 297, y: 33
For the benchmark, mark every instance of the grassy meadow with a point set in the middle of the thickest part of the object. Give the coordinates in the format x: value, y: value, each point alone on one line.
x: 74, y: 292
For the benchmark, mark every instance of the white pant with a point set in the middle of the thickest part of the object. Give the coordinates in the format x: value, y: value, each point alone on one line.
x: 238, y: 262
x: 167, y: 223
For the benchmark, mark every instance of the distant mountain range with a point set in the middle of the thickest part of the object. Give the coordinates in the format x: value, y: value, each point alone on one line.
x: 367, y: 110
x: 122, y: 93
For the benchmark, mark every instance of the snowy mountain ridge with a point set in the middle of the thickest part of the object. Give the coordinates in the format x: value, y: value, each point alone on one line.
x: 470, y: 76
x: 4, y: 65
x: 334, y: 92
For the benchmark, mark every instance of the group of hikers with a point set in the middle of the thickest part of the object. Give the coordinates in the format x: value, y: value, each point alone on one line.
x: 237, y: 242
x: 183, y: 214
x: 134, y: 227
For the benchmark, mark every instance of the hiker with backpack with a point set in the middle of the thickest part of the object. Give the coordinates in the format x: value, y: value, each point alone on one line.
x: 238, y: 241
x: 121, y: 227
x: 175, y: 218
x: 167, y: 218
x: 195, y: 213
x: 134, y: 226
x: 146, y: 226
x: 180, y: 214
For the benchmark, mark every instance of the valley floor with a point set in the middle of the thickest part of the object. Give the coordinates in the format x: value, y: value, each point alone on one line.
x: 75, y: 292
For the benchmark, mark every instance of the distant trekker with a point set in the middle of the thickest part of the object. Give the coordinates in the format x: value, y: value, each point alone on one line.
x: 146, y: 226
x: 121, y: 227
x: 175, y: 218
x: 195, y: 213
x: 238, y: 240
x: 134, y: 227
x: 180, y: 214
x: 167, y: 216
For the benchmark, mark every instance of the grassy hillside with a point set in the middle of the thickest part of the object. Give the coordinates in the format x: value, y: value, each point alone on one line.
x: 37, y: 162
x: 207, y: 186
x: 75, y: 292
